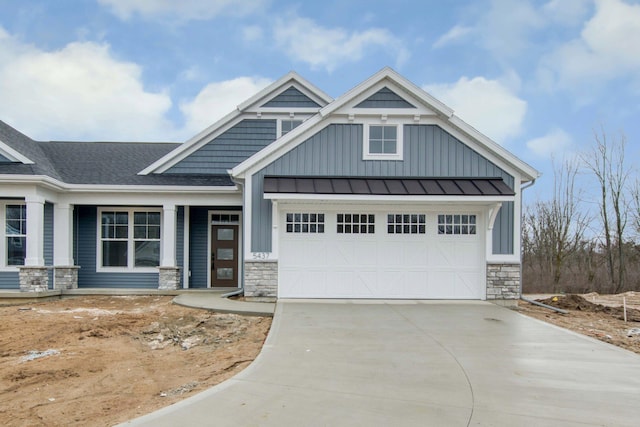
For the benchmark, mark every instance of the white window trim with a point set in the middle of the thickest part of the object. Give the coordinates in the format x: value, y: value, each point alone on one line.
x: 3, y: 234
x: 289, y: 119
x: 398, y: 155
x: 131, y: 268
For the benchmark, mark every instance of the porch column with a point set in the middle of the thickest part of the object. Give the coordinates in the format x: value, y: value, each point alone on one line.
x: 35, y: 232
x: 66, y: 273
x: 169, y: 277
x: 33, y: 275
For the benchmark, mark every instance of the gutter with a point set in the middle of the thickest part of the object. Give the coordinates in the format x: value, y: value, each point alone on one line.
x: 239, y: 291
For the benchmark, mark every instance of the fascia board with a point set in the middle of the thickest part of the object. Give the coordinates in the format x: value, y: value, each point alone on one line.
x: 62, y: 186
x: 294, y: 197
x: 13, y: 155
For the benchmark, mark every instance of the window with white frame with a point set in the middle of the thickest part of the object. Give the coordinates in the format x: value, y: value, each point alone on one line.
x: 129, y: 238
x: 456, y: 224
x: 287, y: 126
x: 382, y: 142
x: 15, y: 239
x: 356, y: 224
x: 406, y: 223
x: 305, y: 222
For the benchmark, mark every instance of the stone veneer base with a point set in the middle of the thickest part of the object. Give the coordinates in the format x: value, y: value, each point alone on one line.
x: 65, y: 277
x: 261, y: 279
x: 503, y: 282
x: 34, y: 279
x: 169, y: 278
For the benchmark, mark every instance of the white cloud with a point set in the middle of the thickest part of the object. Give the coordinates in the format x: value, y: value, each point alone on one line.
x: 554, y: 142
x: 321, y: 47
x: 78, y: 92
x: 183, y: 10
x: 490, y: 106
x: 607, y: 48
x: 456, y: 33
x: 217, y: 100
x: 567, y: 12
x: 252, y: 33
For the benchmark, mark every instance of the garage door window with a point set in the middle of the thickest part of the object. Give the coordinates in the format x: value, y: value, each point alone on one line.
x: 456, y: 224
x: 406, y: 223
x: 305, y: 223
x: 356, y: 224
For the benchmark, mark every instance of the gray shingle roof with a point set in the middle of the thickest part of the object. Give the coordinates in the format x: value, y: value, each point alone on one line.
x: 106, y: 163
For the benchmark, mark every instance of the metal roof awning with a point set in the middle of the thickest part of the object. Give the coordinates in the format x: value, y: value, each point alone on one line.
x: 350, y: 188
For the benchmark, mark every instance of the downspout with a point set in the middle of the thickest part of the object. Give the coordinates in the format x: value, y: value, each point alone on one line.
x: 240, y: 290
x: 530, y: 301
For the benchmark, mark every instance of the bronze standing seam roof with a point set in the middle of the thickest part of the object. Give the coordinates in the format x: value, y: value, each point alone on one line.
x: 388, y: 186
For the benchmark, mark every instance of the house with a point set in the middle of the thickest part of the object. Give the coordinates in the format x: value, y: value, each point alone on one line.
x: 380, y: 193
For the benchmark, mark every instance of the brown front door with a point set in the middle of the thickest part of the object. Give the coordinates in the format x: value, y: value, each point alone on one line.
x: 224, y: 255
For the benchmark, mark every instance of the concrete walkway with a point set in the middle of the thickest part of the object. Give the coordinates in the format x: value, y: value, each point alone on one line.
x: 418, y: 364
x: 214, y: 301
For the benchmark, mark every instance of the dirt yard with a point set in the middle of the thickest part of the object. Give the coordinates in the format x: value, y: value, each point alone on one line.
x: 597, y: 316
x: 103, y: 360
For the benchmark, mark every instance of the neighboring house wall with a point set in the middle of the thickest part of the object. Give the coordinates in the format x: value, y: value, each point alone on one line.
x: 385, y: 98
x: 86, y: 247
x: 291, y: 98
x: 48, y: 240
x: 336, y: 150
x: 229, y: 149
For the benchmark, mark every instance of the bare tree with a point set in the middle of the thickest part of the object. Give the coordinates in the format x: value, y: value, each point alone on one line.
x: 607, y: 162
x: 554, y: 229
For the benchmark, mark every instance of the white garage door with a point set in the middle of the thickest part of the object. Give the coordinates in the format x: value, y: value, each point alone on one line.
x: 392, y: 253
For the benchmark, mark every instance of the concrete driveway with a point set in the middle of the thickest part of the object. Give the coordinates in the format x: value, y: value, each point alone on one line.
x: 418, y: 363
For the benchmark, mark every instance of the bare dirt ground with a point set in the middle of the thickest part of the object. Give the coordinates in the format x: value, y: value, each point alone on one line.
x: 594, y: 315
x: 103, y: 360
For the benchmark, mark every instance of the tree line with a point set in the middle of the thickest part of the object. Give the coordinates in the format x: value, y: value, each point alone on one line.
x: 584, y: 236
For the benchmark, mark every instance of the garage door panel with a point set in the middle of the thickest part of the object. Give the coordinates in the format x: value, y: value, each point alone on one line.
x: 380, y: 265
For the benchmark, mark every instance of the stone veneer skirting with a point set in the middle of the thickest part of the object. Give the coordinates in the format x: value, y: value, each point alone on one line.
x: 34, y: 279
x: 66, y: 277
x: 503, y: 281
x: 169, y: 278
x: 261, y: 279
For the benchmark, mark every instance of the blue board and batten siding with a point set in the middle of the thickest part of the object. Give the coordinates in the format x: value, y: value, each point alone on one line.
x: 86, y: 247
x: 291, y: 98
x: 385, y: 98
x: 336, y: 150
x: 229, y: 149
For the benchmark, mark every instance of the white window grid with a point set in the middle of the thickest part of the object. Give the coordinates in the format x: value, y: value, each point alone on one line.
x: 406, y: 223
x: 383, y: 139
x: 306, y: 222
x: 15, y: 230
x: 287, y: 126
x: 136, y: 227
x: 457, y: 224
x: 355, y: 223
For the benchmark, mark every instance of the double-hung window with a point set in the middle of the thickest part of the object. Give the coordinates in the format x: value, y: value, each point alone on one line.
x: 15, y: 243
x: 129, y: 239
x: 382, y: 142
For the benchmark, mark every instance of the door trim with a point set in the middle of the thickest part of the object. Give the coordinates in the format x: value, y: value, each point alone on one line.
x: 240, y: 224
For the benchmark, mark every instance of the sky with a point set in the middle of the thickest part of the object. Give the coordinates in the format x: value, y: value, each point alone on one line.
x: 538, y: 77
